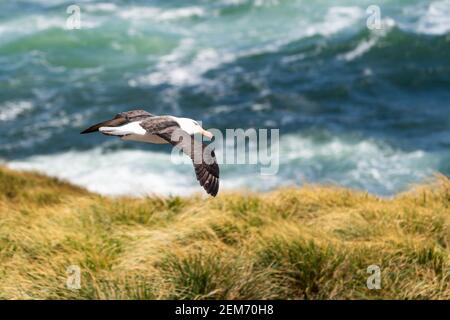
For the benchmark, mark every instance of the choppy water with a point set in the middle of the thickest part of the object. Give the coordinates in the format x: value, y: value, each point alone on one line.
x: 355, y: 107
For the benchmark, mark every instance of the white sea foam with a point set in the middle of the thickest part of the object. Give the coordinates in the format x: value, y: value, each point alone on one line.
x: 360, y: 50
x: 115, y: 173
x: 187, y: 64
x: 31, y: 24
x: 11, y: 110
x: 337, y: 19
x: 436, y: 20
x: 366, y: 45
x: 158, y: 14
x: 431, y: 19
x: 362, y: 164
x: 172, y: 69
x: 100, y: 7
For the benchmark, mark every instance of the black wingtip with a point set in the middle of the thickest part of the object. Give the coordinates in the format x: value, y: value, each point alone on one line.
x: 213, y: 188
x: 91, y: 129
x: 117, y: 121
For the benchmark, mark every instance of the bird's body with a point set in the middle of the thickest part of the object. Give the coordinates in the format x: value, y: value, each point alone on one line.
x: 139, y: 125
x: 133, y: 131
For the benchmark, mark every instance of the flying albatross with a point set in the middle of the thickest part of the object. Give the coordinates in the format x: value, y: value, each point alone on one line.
x: 140, y: 125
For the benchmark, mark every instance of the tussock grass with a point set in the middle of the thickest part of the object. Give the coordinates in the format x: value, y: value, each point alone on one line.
x: 296, y: 243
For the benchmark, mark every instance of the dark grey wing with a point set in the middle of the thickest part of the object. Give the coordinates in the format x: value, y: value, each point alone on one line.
x: 136, y: 115
x: 207, y: 171
x: 159, y: 124
x: 204, y: 161
x: 120, y: 119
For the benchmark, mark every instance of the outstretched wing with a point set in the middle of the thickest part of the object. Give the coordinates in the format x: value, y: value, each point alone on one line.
x: 204, y: 160
x: 120, y: 119
x: 136, y: 115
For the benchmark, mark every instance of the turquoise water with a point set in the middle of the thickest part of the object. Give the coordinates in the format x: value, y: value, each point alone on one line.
x: 368, y: 109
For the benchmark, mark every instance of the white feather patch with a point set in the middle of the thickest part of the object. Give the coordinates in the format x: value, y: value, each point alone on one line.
x: 129, y: 128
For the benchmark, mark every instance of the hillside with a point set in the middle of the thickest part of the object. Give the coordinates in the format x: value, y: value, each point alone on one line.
x: 314, y: 242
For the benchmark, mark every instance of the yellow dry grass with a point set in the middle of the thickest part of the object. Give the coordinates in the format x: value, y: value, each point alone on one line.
x: 312, y: 242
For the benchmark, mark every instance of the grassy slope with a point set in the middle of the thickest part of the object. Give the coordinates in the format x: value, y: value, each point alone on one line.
x: 312, y: 242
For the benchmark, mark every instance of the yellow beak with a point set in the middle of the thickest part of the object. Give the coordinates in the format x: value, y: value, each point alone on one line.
x: 207, y: 134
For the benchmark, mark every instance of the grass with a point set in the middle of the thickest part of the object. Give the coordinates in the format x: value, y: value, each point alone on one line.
x: 313, y: 242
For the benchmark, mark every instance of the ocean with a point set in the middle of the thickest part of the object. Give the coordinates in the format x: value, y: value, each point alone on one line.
x: 358, y: 102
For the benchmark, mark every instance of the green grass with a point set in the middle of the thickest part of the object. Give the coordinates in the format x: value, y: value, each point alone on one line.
x: 314, y: 242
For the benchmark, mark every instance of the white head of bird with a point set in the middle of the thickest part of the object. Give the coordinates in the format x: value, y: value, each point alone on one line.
x: 192, y: 127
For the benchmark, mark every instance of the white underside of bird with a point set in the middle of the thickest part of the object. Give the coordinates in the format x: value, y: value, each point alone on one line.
x: 132, y: 132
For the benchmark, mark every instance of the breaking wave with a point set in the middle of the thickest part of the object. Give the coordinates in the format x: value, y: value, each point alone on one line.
x: 365, y: 165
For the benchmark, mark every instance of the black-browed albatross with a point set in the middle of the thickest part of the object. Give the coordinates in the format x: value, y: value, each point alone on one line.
x: 140, y: 125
